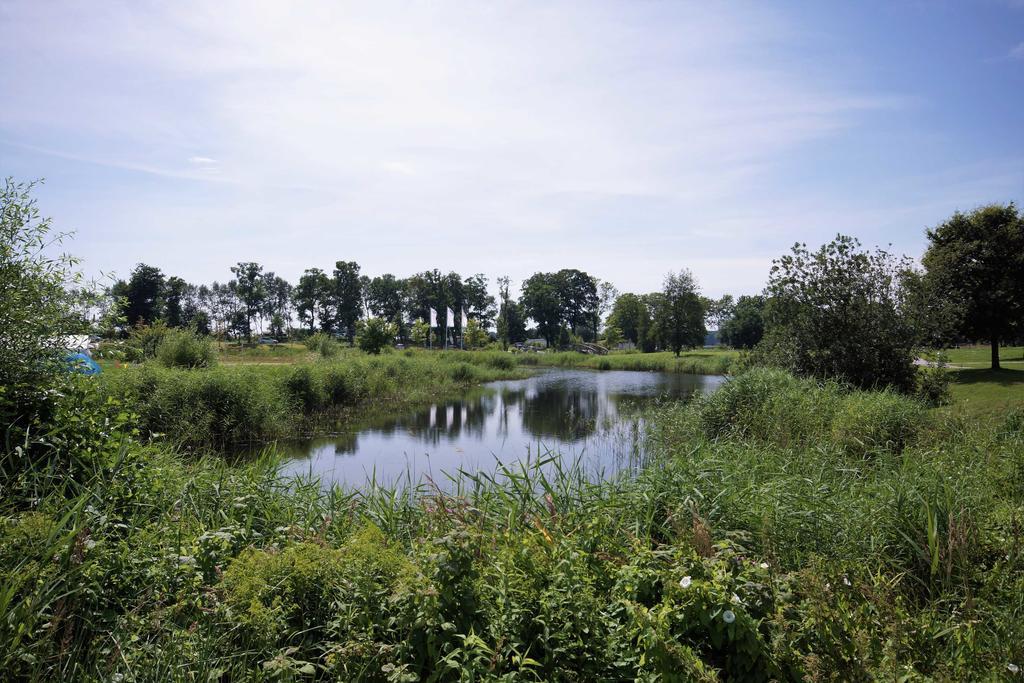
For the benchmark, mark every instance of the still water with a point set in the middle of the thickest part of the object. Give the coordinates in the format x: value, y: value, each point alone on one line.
x: 583, y: 415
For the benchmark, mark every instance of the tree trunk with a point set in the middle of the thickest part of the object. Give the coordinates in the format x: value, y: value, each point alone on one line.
x: 995, y: 352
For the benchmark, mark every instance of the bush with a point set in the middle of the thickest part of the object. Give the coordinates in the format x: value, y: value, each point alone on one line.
x: 773, y: 406
x: 322, y: 343
x: 185, y: 349
x: 374, y: 334
x: 933, y: 381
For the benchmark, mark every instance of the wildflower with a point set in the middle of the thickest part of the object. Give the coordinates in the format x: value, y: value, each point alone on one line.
x: 735, y: 599
x: 846, y: 581
x: 1013, y: 668
x: 728, y: 616
x: 685, y: 582
x: 764, y: 565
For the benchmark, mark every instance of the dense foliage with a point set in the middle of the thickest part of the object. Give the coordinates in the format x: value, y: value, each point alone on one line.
x: 771, y: 540
x: 34, y: 316
x: 976, y: 260
x: 839, y: 312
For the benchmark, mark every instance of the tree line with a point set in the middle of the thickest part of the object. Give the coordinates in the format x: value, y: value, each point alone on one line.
x: 836, y: 311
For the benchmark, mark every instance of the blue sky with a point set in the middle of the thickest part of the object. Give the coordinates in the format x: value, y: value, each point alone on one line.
x: 626, y: 139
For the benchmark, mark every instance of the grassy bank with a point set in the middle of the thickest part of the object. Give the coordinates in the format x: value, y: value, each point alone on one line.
x: 717, y: 362
x: 244, y: 403
x: 787, y: 531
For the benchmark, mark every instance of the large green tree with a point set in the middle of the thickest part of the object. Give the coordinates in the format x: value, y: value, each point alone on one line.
x: 308, y: 296
x: 976, y: 260
x: 348, y: 297
x: 143, y: 294
x: 511, y: 316
x: 250, y: 288
x: 839, y: 312
x: 679, y: 315
x: 631, y: 316
x: 745, y: 326
x: 541, y: 302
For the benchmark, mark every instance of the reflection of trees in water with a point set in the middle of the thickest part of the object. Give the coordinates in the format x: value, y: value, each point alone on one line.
x: 546, y: 410
x: 567, y: 414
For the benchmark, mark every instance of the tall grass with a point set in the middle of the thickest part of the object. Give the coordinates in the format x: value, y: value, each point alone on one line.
x: 772, y: 550
x: 217, y: 407
x: 694, y: 362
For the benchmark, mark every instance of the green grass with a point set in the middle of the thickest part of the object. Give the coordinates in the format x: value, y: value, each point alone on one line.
x: 243, y: 403
x: 786, y: 531
x: 983, y: 393
x: 981, y: 356
x: 709, y: 362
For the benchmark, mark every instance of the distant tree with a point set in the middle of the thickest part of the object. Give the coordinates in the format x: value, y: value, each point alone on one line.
x: 607, y: 294
x: 679, y: 316
x: 976, y: 259
x: 277, y: 303
x: 478, y: 301
x: 374, y: 334
x: 631, y: 316
x: 511, y: 323
x: 143, y: 295
x: 419, y: 333
x: 475, y: 335
x: 542, y: 302
x: 745, y: 327
x: 348, y: 297
x: 612, y: 336
x: 175, y: 297
x: 250, y: 289
x: 309, y: 295
x: 719, y: 310
x: 385, y: 298
x: 577, y: 293
x: 839, y: 313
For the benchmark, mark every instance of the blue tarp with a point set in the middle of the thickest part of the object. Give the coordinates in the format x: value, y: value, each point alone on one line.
x: 79, y: 362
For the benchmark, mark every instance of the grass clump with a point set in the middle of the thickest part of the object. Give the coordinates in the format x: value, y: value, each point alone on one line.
x: 772, y: 406
x: 323, y: 344
x: 183, y: 348
x: 214, y: 408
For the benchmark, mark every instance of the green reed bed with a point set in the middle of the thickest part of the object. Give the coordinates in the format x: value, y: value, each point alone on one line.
x: 220, y: 406
x: 766, y: 542
x: 691, y: 362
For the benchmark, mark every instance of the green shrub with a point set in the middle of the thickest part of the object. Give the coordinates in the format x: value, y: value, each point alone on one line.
x: 185, y: 349
x: 373, y: 335
x: 322, y: 343
x: 773, y: 406
x: 932, y: 381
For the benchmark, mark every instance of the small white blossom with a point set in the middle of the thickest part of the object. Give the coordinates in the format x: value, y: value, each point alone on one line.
x: 846, y: 581
x: 1013, y: 668
x: 728, y: 616
x: 735, y: 599
x: 685, y: 582
x: 764, y: 565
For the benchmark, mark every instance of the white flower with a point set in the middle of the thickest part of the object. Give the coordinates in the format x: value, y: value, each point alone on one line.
x: 728, y: 616
x: 685, y: 582
x: 764, y: 565
x: 1013, y: 668
x: 735, y: 599
x: 846, y: 581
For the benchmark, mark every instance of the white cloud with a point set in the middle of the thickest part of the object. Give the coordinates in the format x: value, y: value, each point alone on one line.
x: 476, y: 136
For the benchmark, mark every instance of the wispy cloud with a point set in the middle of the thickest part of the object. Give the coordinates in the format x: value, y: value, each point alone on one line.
x: 413, y: 135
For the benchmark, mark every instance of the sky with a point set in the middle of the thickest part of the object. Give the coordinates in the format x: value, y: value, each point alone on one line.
x: 626, y: 138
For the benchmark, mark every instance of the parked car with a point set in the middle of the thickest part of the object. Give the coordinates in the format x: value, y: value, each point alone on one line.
x: 267, y: 340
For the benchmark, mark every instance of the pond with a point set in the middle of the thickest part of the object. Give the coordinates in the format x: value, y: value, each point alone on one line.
x: 583, y: 415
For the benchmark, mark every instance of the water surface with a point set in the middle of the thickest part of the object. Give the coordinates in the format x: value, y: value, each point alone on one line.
x: 581, y: 414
